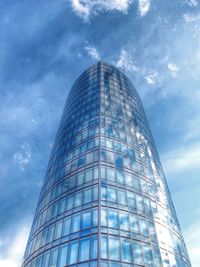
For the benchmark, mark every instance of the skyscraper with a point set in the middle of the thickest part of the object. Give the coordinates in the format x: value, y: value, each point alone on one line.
x: 105, y: 201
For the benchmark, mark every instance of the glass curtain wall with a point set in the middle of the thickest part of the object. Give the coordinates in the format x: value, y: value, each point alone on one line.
x: 104, y: 200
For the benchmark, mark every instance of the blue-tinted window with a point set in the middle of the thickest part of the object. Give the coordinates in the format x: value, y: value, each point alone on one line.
x: 114, y: 248
x: 62, y: 259
x: 86, y: 219
x: 113, y: 219
x: 104, y: 247
x: 126, y: 251
x: 84, y: 249
x: 73, y: 252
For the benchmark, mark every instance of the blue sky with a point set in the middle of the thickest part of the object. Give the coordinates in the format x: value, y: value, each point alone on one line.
x: 45, y: 45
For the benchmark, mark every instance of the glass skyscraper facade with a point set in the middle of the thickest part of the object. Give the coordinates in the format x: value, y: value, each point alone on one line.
x: 105, y: 201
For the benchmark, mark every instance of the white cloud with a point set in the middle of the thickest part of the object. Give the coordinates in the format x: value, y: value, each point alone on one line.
x: 192, y: 3
x: 191, y: 17
x: 192, y: 236
x: 173, y: 69
x: 85, y: 8
x: 13, y: 256
x: 183, y: 158
x: 22, y: 157
x: 92, y: 52
x: 152, y: 78
x: 144, y: 7
x: 125, y: 61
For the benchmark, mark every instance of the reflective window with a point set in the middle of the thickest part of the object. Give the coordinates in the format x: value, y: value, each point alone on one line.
x: 104, y: 247
x: 126, y: 250
x: 113, y: 219
x: 62, y: 259
x: 114, y: 248
x: 53, y: 258
x: 84, y: 249
x: 73, y: 252
x: 76, y: 223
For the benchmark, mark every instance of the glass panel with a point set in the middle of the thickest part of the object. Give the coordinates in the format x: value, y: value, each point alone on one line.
x: 121, y: 197
x: 134, y: 223
x: 148, y: 257
x: 93, y: 252
x: 104, y: 217
x: 45, y: 262
x: 73, y: 253
x: 126, y: 251
x: 112, y: 195
x: 88, y: 196
x: 113, y: 219
x: 50, y: 233
x: 123, y: 219
x: 84, y: 249
x: 53, y: 257
x: 78, y: 199
x: 88, y: 175
x: 86, y: 219
x: 137, y: 253
x: 58, y: 230
x: 62, y: 261
x: 66, y: 227
x: 94, y: 217
x: 114, y: 248
x: 76, y: 223
x: 104, y: 247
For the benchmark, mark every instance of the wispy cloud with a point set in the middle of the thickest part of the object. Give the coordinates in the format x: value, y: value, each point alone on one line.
x: 152, y: 78
x: 86, y: 8
x: 144, y: 7
x: 22, y: 157
x: 173, y: 68
x: 125, y: 61
x: 192, y: 236
x: 12, y: 256
x: 182, y: 158
x: 192, y: 3
x: 92, y: 52
x: 191, y: 17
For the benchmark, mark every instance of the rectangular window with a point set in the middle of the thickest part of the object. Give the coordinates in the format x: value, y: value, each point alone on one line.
x: 84, y: 249
x: 104, y: 217
x: 134, y: 223
x: 122, y: 197
x: 58, y: 230
x: 137, y: 253
x: 76, y: 223
x: 70, y: 200
x: 80, y: 178
x: 66, y: 227
x: 78, y: 199
x: 93, y: 249
x: 62, y: 260
x: 104, y: 247
x: 53, y: 258
x: 45, y: 262
x: 87, y: 196
x: 126, y: 250
x: 112, y: 196
x: 86, y: 219
x: 148, y: 257
x: 114, y: 248
x: 88, y: 175
x: 113, y: 219
x: 73, y: 253
x: 111, y: 174
x: 50, y: 233
x: 124, y: 223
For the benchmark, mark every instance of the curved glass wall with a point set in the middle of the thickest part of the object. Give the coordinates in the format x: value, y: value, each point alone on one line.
x: 105, y: 200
